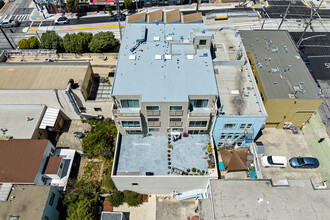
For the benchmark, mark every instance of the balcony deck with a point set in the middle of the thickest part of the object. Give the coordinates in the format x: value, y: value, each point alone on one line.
x: 149, y: 154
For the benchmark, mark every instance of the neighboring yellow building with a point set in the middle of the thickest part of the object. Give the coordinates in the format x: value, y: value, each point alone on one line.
x: 289, y: 92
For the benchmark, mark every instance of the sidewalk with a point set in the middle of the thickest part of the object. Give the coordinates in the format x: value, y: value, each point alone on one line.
x: 313, y: 131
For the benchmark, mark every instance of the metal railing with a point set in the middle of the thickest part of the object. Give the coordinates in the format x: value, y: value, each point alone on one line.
x: 153, y: 123
x: 153, y: 112
x: 176, y: 112
x: 175, y: 123
x: 126, y: 114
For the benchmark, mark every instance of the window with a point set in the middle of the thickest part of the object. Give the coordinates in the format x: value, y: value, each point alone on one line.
x: 197, y: 124
x: 177, y: 129
x: 97, y: 109
x: 61, y: 165
x: 130, y: 103
x: 43, y: 179
x: 135, y: 184
x: 175, y: 119
x: 202, y: 42
x: 242, y: 126
x: 173, y: 108
x: 242, y: 137
x: 249, y: 126
x: 153, y: 119
x: 130, y: 124
x: 239, y: 144
x: 152, y: 108
x: 198, y: 103
x: 220, y: 143
x: 197, y: 132
x: 154, y: 130
x: 229, y: 126
x: 52, y: 197
x: 229, y: 137
x: 256, y: 79
x: 134, y: 131
x: 223, y: 136
x: 262, y: 97
x: 236, y: 136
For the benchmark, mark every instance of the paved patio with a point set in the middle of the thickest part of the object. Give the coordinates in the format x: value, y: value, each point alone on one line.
x: 149, y: 154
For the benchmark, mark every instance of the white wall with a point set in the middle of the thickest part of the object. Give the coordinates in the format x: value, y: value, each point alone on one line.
x: 50, y: 210
x: 160, y: 184
x: 47, y: 152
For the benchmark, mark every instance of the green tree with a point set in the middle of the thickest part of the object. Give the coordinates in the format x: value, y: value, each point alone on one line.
x: 116, y: 199
x: 73, y: 5
x: 133, y: 198
x: 33, y: 42
x: 78, y: 190
x: 77, y: 43
x: 109, y: 184
x: 103, y: 42
x: 85, y: 209
x: 128, y: 4
x: 51, y: 40
x: 100, y: 142
x: 24, y: 44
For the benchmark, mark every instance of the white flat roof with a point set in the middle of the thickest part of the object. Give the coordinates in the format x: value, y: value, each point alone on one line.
x: 13, y: 118
x: 49, y: 118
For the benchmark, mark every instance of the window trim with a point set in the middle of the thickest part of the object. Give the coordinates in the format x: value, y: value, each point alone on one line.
x: 224, y: 138
x: 169, y: 107
x: 154, y: 131
x: 153, y: 120
x: 52, y: 198
x: 129, y: 99
x: 121, y: 122
x: 204, y: 40
x: 207, y: 122
x: 224, y: 126
x: 153, y: 106
x: 190, y: 99
x: 177, y: 128
x: 240, y: 126
x: 250, y: 125
x: 139, y: 131
x: 231, y: 135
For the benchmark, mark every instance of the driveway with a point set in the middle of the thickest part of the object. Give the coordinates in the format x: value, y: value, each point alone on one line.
x: 280, y: 142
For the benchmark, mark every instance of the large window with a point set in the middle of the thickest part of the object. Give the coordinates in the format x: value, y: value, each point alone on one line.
x: 229, y: 126
x: 175, y: 119
x: 173, y: 108
x: 153, y: 119
x: 130, y: 124
x: 134, y: 132
x: 52, y: 197
x: 242, y: 126
x: 223, y: 136
x: 197, y: 124
x: 154, y: 130
x: 198, y: 103
x: 130, y: 103
x: 152, y: 108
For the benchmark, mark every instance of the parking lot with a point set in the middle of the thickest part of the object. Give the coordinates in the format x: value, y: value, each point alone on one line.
x: 280, y: 142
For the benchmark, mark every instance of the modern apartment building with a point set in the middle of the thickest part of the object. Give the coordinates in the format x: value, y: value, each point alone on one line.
x: 164, y: 84
x: 288, y: 90
x: 164, y: 80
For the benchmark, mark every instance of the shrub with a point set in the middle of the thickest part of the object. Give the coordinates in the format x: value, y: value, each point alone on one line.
x: 203, y: 171
x: 198, y: 171
x: 33, y: 42
x: 132, y: 198
x: 169, y: 163
x: 169, y: 167
x: 24, y: 44
x: 188, y: 170
x: 169, y: 155
x: 77, y: 43
x: 103, y: 42
x: 193, y: 169
x: 51, y: 40
x: 116, y: 198
x: 209, y: 149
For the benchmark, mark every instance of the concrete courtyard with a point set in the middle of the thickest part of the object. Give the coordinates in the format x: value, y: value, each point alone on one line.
x: 150, y: 154
x: 280, y: 142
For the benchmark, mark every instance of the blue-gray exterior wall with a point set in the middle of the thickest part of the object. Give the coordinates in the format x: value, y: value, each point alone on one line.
x: 256, y: 121
x: 50, y: 210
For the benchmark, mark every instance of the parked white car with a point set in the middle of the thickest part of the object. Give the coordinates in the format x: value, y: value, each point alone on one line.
x: 62, y: 20
x: 274, y: 161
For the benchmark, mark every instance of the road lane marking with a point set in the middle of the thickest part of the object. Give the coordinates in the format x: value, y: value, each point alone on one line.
x: 86, y: 28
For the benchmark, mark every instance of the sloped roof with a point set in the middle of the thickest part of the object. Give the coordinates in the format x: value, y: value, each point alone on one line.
x: 136, y: 17
x: 192, y: 17
x: 172, y: 16
x: 53, y: 165
x: 20, y: 160
x: 155, y: 16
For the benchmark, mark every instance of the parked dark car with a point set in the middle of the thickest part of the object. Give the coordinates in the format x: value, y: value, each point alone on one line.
x: 304, y: 162
x: 122, y: 17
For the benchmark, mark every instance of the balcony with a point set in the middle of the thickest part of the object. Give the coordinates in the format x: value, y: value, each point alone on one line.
x: 175, y: 123
x: 153, y: 123
x: 201, y: 112
x: 127, y: 112
x: 176, y: 112
x: 153, y: 112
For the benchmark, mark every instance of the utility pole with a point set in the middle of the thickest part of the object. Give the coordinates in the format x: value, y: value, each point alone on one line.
x: 313, y: 12
x: 4, y: 34
x: 118, y: 17
x: 197, y: 7
x: 136, y: 5
x: 285, y: 14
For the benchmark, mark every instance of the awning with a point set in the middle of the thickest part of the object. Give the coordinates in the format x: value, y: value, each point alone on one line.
x: 49, y: 118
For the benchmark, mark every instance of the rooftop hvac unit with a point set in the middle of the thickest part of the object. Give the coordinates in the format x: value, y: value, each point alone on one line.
x: 156, y: 38
x: 131, y: 57
x: 169, y: 38
x: 190, y: 57
x: 158, y: 57
x: 168, y: 57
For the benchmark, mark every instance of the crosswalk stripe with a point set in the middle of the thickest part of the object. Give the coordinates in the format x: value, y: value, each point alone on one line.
x: 21, y: 17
